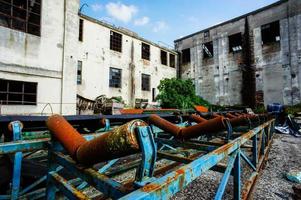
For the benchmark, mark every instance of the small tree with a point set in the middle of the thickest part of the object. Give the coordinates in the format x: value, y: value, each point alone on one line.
x: 178, y: 93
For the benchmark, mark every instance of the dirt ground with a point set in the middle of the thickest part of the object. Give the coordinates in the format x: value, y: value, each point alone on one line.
x: 284, y: 156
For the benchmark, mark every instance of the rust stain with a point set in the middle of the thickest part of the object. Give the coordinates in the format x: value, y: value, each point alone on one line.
x: 150, y: 187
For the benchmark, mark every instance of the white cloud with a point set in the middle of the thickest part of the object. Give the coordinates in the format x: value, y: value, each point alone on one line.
x: 141, y: 21
x: 160, y: 26
x: 96, y: 7
x: 121, y: 11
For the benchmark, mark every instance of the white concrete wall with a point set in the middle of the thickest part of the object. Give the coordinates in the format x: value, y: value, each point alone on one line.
x: 97, y: 59
x: 40, y: 58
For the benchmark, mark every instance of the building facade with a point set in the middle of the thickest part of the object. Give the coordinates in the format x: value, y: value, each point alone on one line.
x: 49, y: 53
x: 252, y: 59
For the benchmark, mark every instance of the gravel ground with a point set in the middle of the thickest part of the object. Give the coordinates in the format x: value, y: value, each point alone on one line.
x: 285, y: 155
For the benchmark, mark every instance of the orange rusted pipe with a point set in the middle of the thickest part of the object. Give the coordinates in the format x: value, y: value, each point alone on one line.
x: 197, y: 118
x: 65, y: 133
x: 164, y: 124
x: 238, y: 121
x: 210, y: 126
x: 119, y: 142
x: 215, y: 115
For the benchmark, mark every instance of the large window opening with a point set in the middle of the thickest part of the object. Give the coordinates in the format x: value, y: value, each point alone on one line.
x: 186, y: 56
x: 17, y: 92
x: 145, y: 51
x: 22, y: 15
x: 270, y: 33
x: 235, y: 43
x: 208, y: 50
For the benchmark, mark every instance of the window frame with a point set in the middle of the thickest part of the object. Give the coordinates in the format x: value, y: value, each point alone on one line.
x: 81, y: 30
x: 116, y: 41
x: 172, y: 60
x: 28, y: 24
x: 185, y: 56
x: 9, y: 92
x: 146, y: 87
x: 232, y: 41
x: 81, y: 72
x: 112, y: 83
x: 266, y: 40
x: 145, y: 51
x: 205, y: 54
x: 164, y: 59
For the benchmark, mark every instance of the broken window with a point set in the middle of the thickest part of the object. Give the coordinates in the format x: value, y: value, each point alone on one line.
x: 270, y: 32
x: 186, y: 56
x: 172, y: 60
x: 145, y: 51
x: 208, y: 50
x: 79, y: 72
x: 81, y: 30
x: 22, y: 15
x: 163, y: 57
x: 145, y: 82
x: 235, y: 43
x: 115, y: 41
x: 115, y: 77
x: 18, y: 93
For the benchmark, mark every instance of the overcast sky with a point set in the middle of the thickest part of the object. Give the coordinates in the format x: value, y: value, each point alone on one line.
x: 166, y: 20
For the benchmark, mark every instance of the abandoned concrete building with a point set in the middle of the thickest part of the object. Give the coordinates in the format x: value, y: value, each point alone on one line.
x: 49, y: 56
x: 252, y: 59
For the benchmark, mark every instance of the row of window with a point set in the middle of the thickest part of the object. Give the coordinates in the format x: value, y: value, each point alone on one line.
x: 116, y: 45
x: 270, y: 33
x: 115, y: 78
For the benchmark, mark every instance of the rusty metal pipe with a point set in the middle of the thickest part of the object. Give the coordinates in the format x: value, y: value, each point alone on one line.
x: 65, y: 133
x: 210, y: 126
x: 164, y: 125
x: 197, y: 118
x: 117, y: 143
x: 230, y: 116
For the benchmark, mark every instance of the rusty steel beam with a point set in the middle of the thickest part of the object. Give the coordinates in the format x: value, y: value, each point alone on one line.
x: 117, y: 143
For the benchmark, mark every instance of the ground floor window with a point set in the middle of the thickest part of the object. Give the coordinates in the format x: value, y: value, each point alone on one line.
x: 115, y: 77
x: 145, y: 82
x: 18, y: 92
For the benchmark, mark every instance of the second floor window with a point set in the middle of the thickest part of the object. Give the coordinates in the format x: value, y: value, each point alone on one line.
x: 22, y: 15
x: 79, y: 72
x: 270, y: 32
x: 145, y: 51
x: 81, y: 30
x: 172, y: 60
x: 115, y: 41
x: 163, y: 57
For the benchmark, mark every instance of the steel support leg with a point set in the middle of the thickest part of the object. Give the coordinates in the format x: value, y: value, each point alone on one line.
x: 237, y: 181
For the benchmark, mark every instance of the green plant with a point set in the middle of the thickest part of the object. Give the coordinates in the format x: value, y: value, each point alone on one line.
x: 178, y: 93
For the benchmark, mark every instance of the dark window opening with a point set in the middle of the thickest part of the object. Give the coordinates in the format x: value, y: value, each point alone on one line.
x: 270, y: 33
x: 115, y: 41
x: 145, y: 82
x: 115, y: 77
x: 186, y: 56
x: 172, y: 60
x: 208, y: 50
x: 235, y: 43
x: 18, y: 93
x: 79, y: 72
x: 81, y: 30
x: 22, y: 15
x: 206, y: 34
x: 145, y: 51
x: 163, y: 57
x: 153, y: 94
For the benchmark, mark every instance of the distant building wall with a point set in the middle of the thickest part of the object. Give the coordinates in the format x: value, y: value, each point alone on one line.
x: 276, y: 64
x: 97, y: 59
